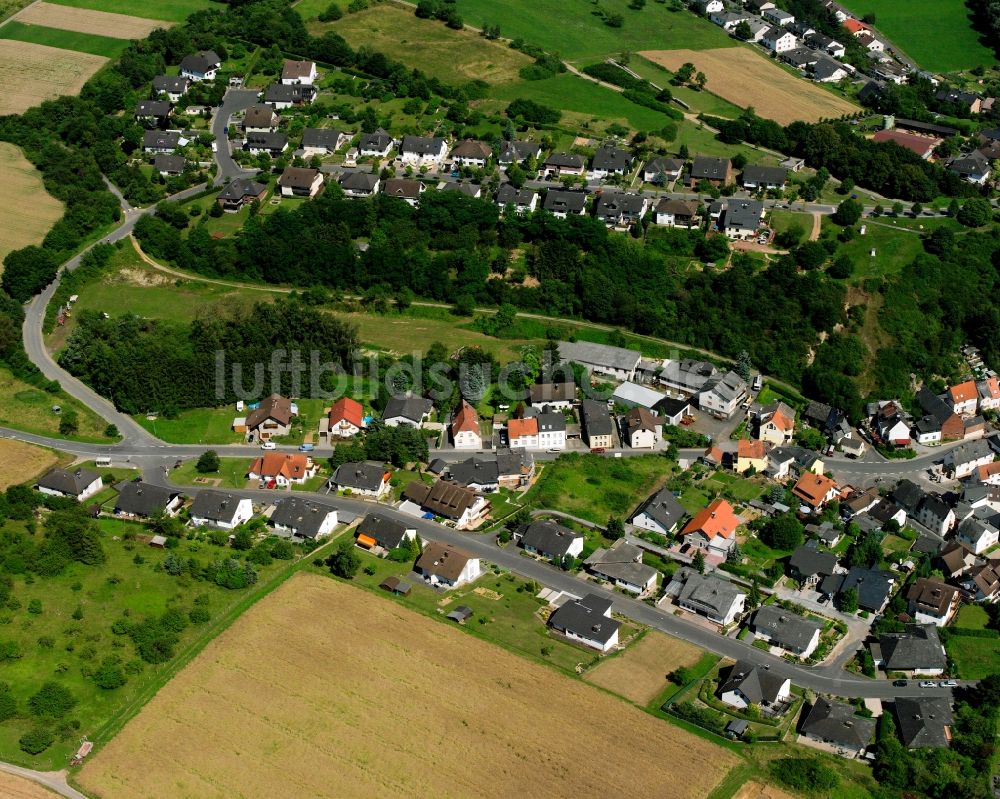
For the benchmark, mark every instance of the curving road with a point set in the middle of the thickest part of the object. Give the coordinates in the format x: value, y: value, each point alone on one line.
x: 234, y: 100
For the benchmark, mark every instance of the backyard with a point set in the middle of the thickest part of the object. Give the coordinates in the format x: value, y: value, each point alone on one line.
x: 977, y: 652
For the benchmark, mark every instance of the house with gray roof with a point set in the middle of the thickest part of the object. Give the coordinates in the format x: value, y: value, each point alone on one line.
x: 524, y: 201
x: 367, y: 478
x: 924, y: 722
x: 160, y: 141
x: 555, y: 396
x: 610, y: 161
x: 917, y: 650
x: 169, y: 165
x: 764, y: 177
x: 686, y: 375
x: 375, y: 145
x: 662, y: 170
x: 601, y: 358
x: 809, y: 566
x: 620, y: 209
x: 421, y: 150
x: 968, y: 456
x: 827, y: 70
x: 551, y: 540
x: 661, y: 513
x: 714, y: 170
x: 873, y: 587
x: 787, y: 630
x: 722, y: 394
x: 140, y: 500
x: 302, y: 519
x: 717, y: 600
x: 387, y: 533
x: 322, y: 141
x: 588, y: 622
x: 274, y: 144
x: 410, y: 410
x: 152, y: 111
x: 203, y: 65
x: 513, y: 152
x: 742, y: 219
x: 80, y: 484
x: 622, y: 565
x: 596, y: 424
x: 282, y: 95
x: 563, y: 202
x: 220, y: 509
x: 836, y: 723
x: 173, y: 86
x: 748, y: 684
x: 479, y: 474
x: 360, y: 184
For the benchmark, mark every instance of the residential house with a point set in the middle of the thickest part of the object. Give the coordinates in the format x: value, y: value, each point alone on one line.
x: 964, y: 459
x: 422, y: 151
x: 78, y: 484
x: 365, y: 478
x: 297, y: 73
x: 718, y: 600
x: 776, y: 424
x: 964, y: 398
x: 932, y: 601
x: 220, y: 509
x: 764, y: 177
x: 152, y: 112
x: 471, y: 153
x: 169, y: 165
x: 826, y: 533
x: 823, y: 42
x: 924, y: 722
x: 855, y: 27
x: 174, y: 87
x: 978, y: 534
x: 662, y: 170
x: 989, y: 393
x: 870, y: 43
x: 815, y: 491
x: 588, y: 622
x: 203, y: 65
x: 748, y: 684
x: 300, y: 182
x: 778, y: 17
x: 552, y: 396
x: 836, y: 723
x: 160, y: 141
x: 616, y: 362
x: 562, y: 164
x: 522, y: 200
x: 786, y: 630
x: 642, y: 429
x: 610, y: 161
x: 465, y: 432
x: 661, y: 513
x: 860, y: 501
x: 676, y: 213
x: 929, y: 510
x: 274, y: 144
x: 809, y: 567
x: 281, y: 96
x: 479, y: 474
x: 515, y: 467
x: 722, y: 394
x: 240, y: 191
x: 687, y: 377
x: 989, y: 474
x: 360, y: 184
x: 271, y: 418
x: 892, y: 424
x: 917, y: 650
x: 952, y: 426
x: 282, y: 469
x: 375, y: 145
x: 622, y: 566
x: 551, y: 540
x: 672, y: 411
x: 345, y: 419
x: 561, y: 203
x: 983, y: 582
x: 596, y: 425
x: 377, y: 530
x: 139, y: 500
x: 449, y: 500
x: 619, y: 209
x: 873, y: 587
x: 728, y: 20
x: 302, y: 519
x: 927, y: 431
x: 956, y: 559
x: 260, y: 119
x: 974, y: 167
x: 778, y: 40
x: 444, y: 566
x: 322, y: 141
x: 515, y: 152
x: 404, y: 189
x: 968, y: 101
x: 551, y: 431
x: 781, y: 461
x: 921, y: 145
x: 466, y: 188
x: 742, y: 219
x: 714, y: 170
x: 410, y: 410
x: 751, y: 454
x: 713, y: 529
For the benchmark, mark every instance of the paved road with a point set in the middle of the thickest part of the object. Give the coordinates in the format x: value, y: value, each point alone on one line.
x: 233, y: 101
x: 53, y: 780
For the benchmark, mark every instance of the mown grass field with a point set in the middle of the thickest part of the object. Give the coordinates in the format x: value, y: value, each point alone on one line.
x: 385, y: 702
x: 640, y: 672
x: 85, y: 20
x: 896, y: 244
x: 94, y: 44
x: 974, y: 657
x: 232, y: 473
x: 195, y: 426
x: 937, y: 35
x: 575, y: 31
x: 449, y: 55
x: 167, y: 10
x: 28, y: 210
x: 31, y: 73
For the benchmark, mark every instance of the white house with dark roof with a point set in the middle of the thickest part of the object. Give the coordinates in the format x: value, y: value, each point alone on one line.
x: 375, y: 145
x: 778, y: 40
x: 717, y: 600
x: 302, y: 519
x: 367, y: 478
x: 966, y: 458
x: 786, y: 630
x: 174, y: 87
x: 741, y: 219
x: 360, y: 184
x: 423, y: 151
x: 322, y: 141
x: 563, y: 202
x: 80, y: 484
x: 523, y: 201
x: 203, y: 65
x: 610, y: 161
x: 409, y: 410
x: 722, y: 394
x: 748, y: 684
x: 471, y: 152
x: 588, y: 622
x: 384, y: 532
x: 622, y: 566
x: 836, y: 723
x: 764, y: 177
x: 601, y: 358
x: 220, y: 509
x: 662, y: 170
x: 551, y: 540
x: 661, y: 513
x: 514, y: 152
x: 140, y: 500
x: 917, y: 650
x: 298, y: 73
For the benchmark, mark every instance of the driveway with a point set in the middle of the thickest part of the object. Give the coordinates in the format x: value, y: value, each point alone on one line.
x: 235, y: 100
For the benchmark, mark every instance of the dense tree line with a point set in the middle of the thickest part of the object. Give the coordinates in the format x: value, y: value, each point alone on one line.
x: 986, y: 19
x: 163, y: 366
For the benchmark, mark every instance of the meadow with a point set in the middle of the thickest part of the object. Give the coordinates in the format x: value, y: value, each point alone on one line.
x: 166, y: 10
x: 939, y: 36
x: 29, y: 211
x: 640, y: 672
x: 84, y: 20
x: 25, y: 407
x: 896, y: 243
x: 21, y: 462
x: 94, y: 44
x: 31, y: 73
x: 390, y: 703
x: 974, y: 657
x: 746, y: 78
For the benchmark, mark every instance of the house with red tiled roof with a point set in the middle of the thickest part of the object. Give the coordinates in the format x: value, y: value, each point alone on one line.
x: 989, y: 473
x: 523, y: 433
x: 923, y: 146
x: 855, y: 27
x: 815, y: 490
x: 964, y: 398
x: 989, y: 393
x: 345, y: 419
x: 776, y: 424
x: 713, y: 528
x: 465, y: 428
x: 281, y: 469
x: 750, y: 454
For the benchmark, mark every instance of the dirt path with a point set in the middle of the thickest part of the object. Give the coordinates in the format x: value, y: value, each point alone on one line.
x: 817, y: 226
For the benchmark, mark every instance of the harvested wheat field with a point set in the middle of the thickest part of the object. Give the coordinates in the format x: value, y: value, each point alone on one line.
x: 746, y: 78
x: 14, y: 787
x: 757, y: 790
x: 325, y: 690
x: 31, y: 73
x: 640, y: 672
x: 83, y: 20
x: 20, y: 462
x: 28, y: 211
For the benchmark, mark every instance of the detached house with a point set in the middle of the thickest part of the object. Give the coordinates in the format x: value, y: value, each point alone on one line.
x: 722, y: 394
x: 661, y: 513
x: 360, y: 184
x: 642, y: 429
x: 786, y: 630
x: 917, y: 650
x: 240, y: 191
x: 471, y: 153
x: 409, y: 410
x: 169, y: 165
x: 924, y: 722
x: 408, y: 191
x: 298, y: 73
x: 964, y: 398
x: 713, y: 529
x: 79, y: 484
x: 160, y: 141
x: 220, y: 509
x: 322, y: 141
x: 751, y: 454
x: 449, y: 500
x: 815, y: 491
x: 622, y: 566
x: 514, y: 152
x: 367, y: 478
x: 422, y: 151
x: 620, y: 209
x: 951, y: 424
x: 144, y: 500
x: 808, y: 566
x: 561, y: 164
x: 152, y: 112
x: 379, y: 530
x: 616, y: 362
x: 778, y: 40
x: 748, y: 684
x: 173, y: 87
x: 522, y: 200
x: 274, y: 144
x: 375, y: 145
x: 282, y: 469
x: 764, y: 177
x: 302, y: 519
x: 300, y: 182
x: 280, y: 95
x: 345, y: 419
x: 588, y: 622
x: 677, y: 213
x: 974, y: 167
x: 552, y: 396
x: 561, y: 203
x: 610, y: 161
x: 932, y: 601
x: 989, y: 393
x: 742, y: 219
x: 977, y: 534
x: 444, y: 566
x: 203, y: 65
x: 964, y: 459
x: 551, y: 540
x: 717, y: 171
x: 465, y: 431
x: 776, y: 424
x: 271, y: 418
x: 662, y: 170
x: 836, y: 723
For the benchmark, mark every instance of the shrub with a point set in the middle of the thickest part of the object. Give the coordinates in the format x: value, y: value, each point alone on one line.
x: 52, y: 699
x: 804, y: 774
x: 37, y: 740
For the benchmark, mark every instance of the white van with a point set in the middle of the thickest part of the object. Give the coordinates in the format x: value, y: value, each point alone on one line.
x: 758, y: 383
x: 105, y: 462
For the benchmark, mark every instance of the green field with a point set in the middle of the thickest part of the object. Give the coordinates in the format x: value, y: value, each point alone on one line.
x: 937, y: 35
x: 894, y: 249
x: 232, y: 473
x: 196, y: 426
x: 575, y: 31
x: 167, y: 10
x: 65, y: 40
x: 974, y: 657
x: 972, y: 617
x: 25, y: 407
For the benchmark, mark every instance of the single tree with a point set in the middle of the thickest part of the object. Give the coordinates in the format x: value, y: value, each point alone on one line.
x: 208, y: 462
x: 698, y: 561
x: 345, y: 561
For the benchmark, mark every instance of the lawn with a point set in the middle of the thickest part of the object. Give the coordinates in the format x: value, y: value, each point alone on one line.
x: 166, y: 10
x: 640, y: 673
x: 27, y: 408
x: 972, y: 617
x: 195, y: 426
x: 894, y: 248
x: 57, y: 646
x: 91, y: 43
x: 974, y: 657
x: 379, y: 692
x: 937, y: 35
x: 232, y: 473
x: 29, y: 211
x: 594, y: 487
x: 783, y: 220
x: 576, y: 32
x: 449, y: 55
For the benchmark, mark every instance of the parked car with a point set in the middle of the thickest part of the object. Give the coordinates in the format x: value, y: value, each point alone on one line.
x: 900, y: 683
x: 268, y: 445
x: 928, y: 684
x: 948, y: 684
x: 306, y: 447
